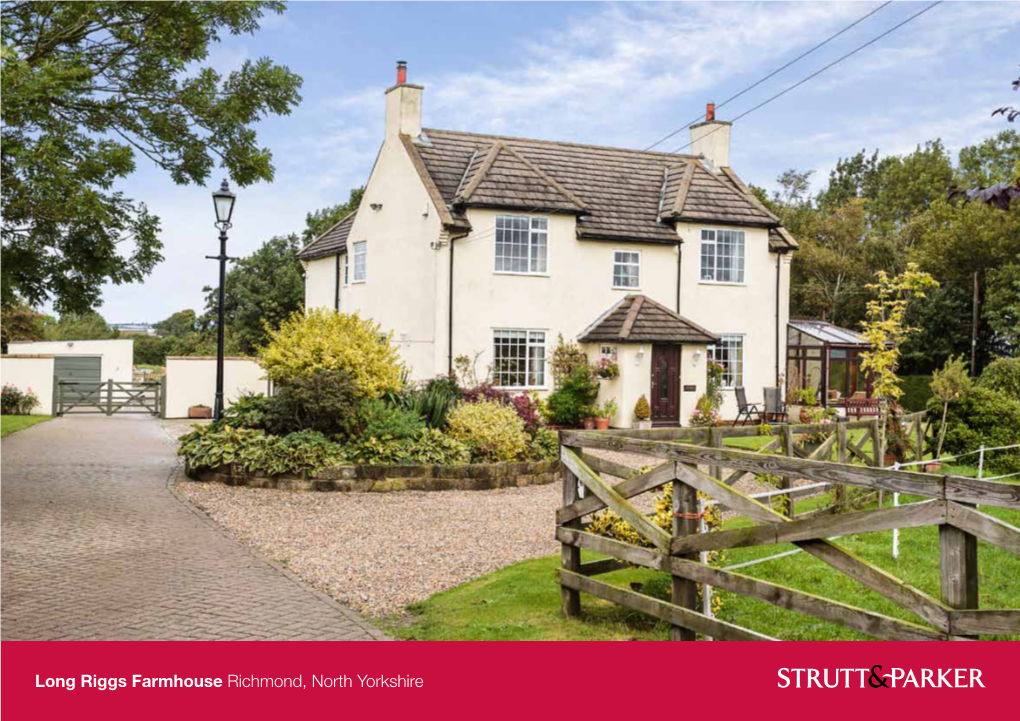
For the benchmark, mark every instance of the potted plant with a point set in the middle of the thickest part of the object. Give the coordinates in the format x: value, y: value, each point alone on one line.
x: 819, y: 416
x: 605, y: 415
x: 642, y: 414
x: 807, y: 399
x: 200, y: 411
x: 607, y: 369
x: 588, y: 413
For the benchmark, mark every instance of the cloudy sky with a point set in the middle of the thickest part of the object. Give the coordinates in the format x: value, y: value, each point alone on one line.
x: 613, y: 74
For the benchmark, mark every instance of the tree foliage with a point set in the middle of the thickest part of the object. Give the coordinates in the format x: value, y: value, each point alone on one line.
x: 88, y: 87
x: 327, y: 340
x: 78, y: 326
x: 260, y: 292
x: 19, y: 321
x: 319, y: 221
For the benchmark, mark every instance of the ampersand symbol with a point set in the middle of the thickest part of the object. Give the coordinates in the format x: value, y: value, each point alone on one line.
x: 876, y: 677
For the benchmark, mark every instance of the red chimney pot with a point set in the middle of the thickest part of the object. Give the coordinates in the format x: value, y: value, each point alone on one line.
x: 710, y: 112
x: 401, y: 72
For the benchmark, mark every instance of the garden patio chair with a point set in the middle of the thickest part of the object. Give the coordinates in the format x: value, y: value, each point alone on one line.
x: 747, y: 412
x: 775, y: 409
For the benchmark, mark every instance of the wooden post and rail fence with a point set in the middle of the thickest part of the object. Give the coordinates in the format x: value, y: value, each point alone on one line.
x: 695, y: 460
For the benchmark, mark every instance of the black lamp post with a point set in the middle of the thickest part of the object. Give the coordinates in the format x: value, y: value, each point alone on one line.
x: 223, y: 202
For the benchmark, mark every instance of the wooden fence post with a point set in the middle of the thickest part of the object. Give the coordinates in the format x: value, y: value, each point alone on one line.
x: 839, y: 490
x: 570, y: 556
x: 958, y: 567
x: 56, y: 397
x: 877, y: 453
x: 919, y: 432
x: 109, y: 397
x: 685, y: 521
x: 786, y: 482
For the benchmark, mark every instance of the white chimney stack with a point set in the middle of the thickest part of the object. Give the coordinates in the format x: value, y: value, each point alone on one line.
x: 711, y: 139
x: 403, y: 106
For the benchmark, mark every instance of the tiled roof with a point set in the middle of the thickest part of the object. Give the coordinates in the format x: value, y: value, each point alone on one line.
x: 331, y: 242
x: 618, y: 194
x: 639, y: 319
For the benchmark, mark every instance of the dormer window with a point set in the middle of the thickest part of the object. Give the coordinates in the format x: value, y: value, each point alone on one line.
x: 522, y: 245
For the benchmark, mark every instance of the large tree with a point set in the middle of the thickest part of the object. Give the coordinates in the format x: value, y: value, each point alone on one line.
x: 78, y: 326
x: 89, y: 86
x: 319, y: 221
x: 262, y: 289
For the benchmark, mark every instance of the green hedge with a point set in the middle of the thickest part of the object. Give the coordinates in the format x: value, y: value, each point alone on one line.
x: 916, y: 392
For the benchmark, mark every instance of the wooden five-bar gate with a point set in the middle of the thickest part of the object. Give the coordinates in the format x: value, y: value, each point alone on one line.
x: 694, y: 460
x: 107, y: 397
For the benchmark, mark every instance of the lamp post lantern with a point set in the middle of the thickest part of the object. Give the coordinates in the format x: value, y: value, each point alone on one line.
x: 223, y: 202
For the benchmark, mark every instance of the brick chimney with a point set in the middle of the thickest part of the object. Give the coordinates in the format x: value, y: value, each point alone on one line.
x: 403, y: 106
x: 711, y: 139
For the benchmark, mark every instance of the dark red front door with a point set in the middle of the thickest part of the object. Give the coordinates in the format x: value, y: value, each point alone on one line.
x: 666, y: 384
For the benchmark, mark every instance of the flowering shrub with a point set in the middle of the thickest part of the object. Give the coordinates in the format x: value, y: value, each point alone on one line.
x: 485, y: 392
x: 527, y: 407
x: 14, y: 401
x: 327, y: 340
x: 544, y: 446
x: 823, y: 416
x: 705, y: 414
x: 607, y: 523
x: 493, y: 431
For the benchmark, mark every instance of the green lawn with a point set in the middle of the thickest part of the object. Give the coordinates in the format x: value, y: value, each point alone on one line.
x: 13, y: 424
x: 521, y: 602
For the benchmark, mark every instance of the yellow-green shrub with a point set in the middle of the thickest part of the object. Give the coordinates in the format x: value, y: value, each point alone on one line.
x: 327, y: 340
x: 492, y: 430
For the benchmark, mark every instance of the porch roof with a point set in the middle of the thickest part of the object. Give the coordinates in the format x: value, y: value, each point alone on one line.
x: 639, y: 319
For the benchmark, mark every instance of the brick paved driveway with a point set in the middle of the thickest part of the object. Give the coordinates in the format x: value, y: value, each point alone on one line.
x: 96, y: 548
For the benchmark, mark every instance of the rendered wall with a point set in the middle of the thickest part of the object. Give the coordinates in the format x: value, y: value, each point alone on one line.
x: 30, y: 372
x: 118, y: 355
x: 191, y: 381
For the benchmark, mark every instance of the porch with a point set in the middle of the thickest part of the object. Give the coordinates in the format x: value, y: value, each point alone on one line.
x: 657, y: 354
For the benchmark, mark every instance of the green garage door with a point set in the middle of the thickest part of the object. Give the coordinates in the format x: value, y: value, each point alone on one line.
x: 78, y: 368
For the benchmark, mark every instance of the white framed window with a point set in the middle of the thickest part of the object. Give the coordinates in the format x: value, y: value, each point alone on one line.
x: 729, y: 353
x: 347, y: 265
x: 608, y: 352
x: 722, y: 256
x: 522, y: 245
x: 627, y: 269
x: 518, y: 358
x: 360, y: 261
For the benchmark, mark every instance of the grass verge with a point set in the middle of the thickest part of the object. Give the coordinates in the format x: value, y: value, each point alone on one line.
x: 13, y: 424
x: 522, y: 602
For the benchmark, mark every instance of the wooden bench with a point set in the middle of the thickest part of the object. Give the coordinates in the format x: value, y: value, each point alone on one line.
x: 858, y: 407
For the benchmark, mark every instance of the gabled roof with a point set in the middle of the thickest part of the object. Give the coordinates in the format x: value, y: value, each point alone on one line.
x: 331, y: 242
x: 619, y: 194
x: 639, y: 319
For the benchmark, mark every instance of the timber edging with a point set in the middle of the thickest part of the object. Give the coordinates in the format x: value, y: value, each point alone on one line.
x: 387, y: 479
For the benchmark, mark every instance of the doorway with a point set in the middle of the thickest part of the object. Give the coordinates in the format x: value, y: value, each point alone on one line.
x: 665, y: 385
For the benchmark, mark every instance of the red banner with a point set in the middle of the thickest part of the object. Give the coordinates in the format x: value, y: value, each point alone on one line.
x: 505, y: 680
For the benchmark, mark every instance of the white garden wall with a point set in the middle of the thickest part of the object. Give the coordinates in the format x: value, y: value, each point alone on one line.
x: 191, y: 381
x: 118, y: 355
x: 30, y: 371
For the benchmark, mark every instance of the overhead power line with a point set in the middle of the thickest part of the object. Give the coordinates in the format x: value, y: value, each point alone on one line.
x: 819, y: 72
x: 775, y: 72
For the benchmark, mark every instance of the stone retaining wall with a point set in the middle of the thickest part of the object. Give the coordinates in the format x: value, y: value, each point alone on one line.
x: 384, y: 479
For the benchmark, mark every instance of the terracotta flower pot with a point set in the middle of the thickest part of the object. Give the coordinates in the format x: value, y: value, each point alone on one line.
x: 602, y: 424
x: 933, y: 467
x: 589, y: 424
x: 199, y: 412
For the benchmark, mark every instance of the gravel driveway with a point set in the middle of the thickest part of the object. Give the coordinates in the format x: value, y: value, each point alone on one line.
x: 378, y: 552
